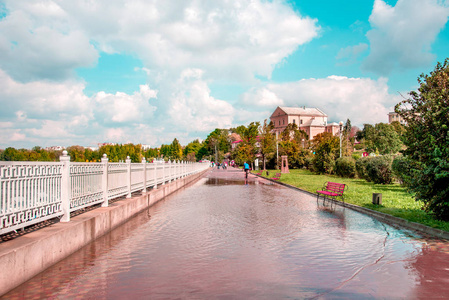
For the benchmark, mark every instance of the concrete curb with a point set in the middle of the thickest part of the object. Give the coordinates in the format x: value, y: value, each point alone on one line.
x: 392, y: 220
x: 26, y: 256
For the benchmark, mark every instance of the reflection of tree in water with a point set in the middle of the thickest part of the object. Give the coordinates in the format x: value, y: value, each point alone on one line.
x: 431, y: 267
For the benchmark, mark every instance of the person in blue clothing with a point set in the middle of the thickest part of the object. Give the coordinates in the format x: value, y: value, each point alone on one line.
x: 246, y: 169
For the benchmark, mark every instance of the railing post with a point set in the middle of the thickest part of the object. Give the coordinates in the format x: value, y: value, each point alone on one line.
x: 65, y: 186
x: 163, y: 173
x: 128, y: 167
x: 104, y: 180
x: 144, y: 162
x: 155, y: 174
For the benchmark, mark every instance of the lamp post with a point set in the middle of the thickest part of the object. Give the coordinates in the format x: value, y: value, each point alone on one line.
x: 277, y: 152
x: 341, y: 127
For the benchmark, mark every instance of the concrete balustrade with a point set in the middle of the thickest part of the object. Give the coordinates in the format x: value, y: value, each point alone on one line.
x: 32, y: 192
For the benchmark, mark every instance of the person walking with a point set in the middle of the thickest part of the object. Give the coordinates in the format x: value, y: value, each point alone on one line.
x: 246, y: 169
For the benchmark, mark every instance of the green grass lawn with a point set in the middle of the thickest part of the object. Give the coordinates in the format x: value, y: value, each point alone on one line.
x: 395, y: 199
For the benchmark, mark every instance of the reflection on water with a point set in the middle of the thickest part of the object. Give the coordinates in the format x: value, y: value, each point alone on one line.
x: 227, y: 239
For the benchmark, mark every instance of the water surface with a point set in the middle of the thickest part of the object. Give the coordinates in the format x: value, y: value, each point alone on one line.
x: 224, y: 239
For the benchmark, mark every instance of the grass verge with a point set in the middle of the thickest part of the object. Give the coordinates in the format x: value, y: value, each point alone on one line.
x: 395, y: 199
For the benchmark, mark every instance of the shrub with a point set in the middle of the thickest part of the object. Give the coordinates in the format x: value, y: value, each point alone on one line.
x: 402, y: 169
x: 379, y: 169
x: 360, y: 167
x: 345, y: 167
x: 308, y: 163
x: 356, y: 155
x: 324, y: 163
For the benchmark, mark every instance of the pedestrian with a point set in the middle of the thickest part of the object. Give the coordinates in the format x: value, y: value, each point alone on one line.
x: 246, y: 169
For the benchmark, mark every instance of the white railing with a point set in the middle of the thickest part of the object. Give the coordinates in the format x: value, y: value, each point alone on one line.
x: 32, y: 192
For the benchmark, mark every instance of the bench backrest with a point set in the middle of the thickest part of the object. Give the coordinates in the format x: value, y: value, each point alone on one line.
x: 335, y: 187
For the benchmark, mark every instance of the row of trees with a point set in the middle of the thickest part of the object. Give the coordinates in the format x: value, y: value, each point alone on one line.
x: 115, y: 153
x: 424, y: 143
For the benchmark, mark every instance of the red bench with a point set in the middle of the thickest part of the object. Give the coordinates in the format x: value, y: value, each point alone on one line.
x: 332, y: 190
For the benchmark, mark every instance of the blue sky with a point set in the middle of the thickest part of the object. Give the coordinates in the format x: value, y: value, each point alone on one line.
x: 85, y: 72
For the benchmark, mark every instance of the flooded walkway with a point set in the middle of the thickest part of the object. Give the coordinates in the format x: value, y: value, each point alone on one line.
x: 224, y: 238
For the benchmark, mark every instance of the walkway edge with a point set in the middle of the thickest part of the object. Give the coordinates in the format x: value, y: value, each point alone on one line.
x: 26, y: 256
x: 392, y: 220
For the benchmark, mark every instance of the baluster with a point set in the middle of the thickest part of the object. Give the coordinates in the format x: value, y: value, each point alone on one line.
x: 104, y: 181
x: 65, y: 186
x: 128, y: 162
x: 144, y: 162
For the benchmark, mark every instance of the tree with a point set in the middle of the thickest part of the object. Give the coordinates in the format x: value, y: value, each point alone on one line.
x: 191, y: 150
x: 326, y: 147
x: 175, y: 150
x: 76, y: 153
x: 427, y: 140
x: 381, y: 138
x: 267, y: 141
x: 247, y: 150
x: 293, y: 142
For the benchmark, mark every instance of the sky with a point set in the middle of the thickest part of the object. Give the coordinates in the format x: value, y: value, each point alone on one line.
x: 148, y: 71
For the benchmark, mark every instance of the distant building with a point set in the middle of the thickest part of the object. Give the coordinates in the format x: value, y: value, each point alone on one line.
x: 106, y: 144
x: 55, y: 148
x: 146, y: 147
x: 93, y: 148
x: 392, y: 116
x: 312, y: 120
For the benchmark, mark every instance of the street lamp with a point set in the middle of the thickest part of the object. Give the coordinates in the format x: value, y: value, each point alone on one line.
x: 277, y: 152
x: 341, y: 127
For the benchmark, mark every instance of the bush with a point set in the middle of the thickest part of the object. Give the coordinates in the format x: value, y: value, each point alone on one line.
x: 324, y: 163
x: 356, y: 155
x: 379, y: 169
x: 402, y: 169
x: 308, y: 163
x: 360, y: 167
x: 345, y: 167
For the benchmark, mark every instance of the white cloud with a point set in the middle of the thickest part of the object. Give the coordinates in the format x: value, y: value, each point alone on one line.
x: 213, y: 36
x: 192, y: 108
x: 362, y: 100
x: 124, y: 108
x: 36, y: 43
x: 401, y: 36
x: 40, y: 99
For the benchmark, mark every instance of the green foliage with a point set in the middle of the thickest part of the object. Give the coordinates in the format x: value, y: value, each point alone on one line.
x: 175, y: 150
x: 120, y: 152
x: 192, y: 149
x: 327, y: 148
x: 36, y: 154
x: 360, y: 167
x: 151, y: 153
x: 296, y: 155
x: 402, y: 169
x: 381, y: 138
x: 356, y: 155
x: 379, y: 169
x: 247, y: 150
x: 267, y: 142
x: 345, y: 167
x: 427, y: 140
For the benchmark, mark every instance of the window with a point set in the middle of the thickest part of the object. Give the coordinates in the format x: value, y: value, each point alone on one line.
x: 283, y: 122
x: 300, y: 121
x: 294, y: 121
x: 279, y: 122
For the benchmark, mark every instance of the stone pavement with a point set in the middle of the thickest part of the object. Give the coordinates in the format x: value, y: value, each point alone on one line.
x: 236, y: 174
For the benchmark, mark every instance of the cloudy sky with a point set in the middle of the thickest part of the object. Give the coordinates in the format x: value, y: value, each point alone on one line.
x: 146, y: 71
